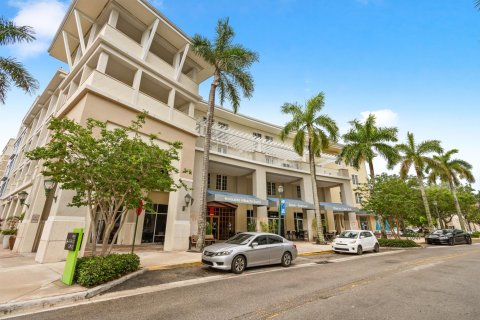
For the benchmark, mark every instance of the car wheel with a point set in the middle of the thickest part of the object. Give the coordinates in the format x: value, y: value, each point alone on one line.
x: 428, y: 242
x: 359, y: 250
x: 451, y: 242
x: 239, y: 264
x: 287, y: 259
x: 468, y: 240
x: 376, y: 248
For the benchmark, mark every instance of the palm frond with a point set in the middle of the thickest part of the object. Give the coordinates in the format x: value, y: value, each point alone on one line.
x: 4, y: 86
x: 11, y: 33
x: 19, y: 75
x: 299, y: 142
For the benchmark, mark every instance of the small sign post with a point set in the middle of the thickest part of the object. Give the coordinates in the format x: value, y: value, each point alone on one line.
x: 283, y: 208
x: 72, y: 244
x: 138, y: 212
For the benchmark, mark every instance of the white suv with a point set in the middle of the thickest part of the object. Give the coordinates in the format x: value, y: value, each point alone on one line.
x: 355, y: 241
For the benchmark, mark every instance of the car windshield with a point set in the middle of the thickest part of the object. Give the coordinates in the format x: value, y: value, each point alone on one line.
x: 442, y: 231
x: 348, y: 234
x: 241, y: 238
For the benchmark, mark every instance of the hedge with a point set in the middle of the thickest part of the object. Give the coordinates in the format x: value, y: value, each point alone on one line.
x: 475, y: 235
x: 397, y: 243
x: 92, y: 271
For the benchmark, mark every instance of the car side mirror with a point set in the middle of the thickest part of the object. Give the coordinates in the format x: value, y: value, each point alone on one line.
x: 254, y: 244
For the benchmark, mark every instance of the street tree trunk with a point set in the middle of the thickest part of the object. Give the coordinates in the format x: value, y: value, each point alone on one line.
x: 380, y: 219
x: 206, y: 156
x: 457, y: 206
x: 316, y: 203
x: 425, y: 200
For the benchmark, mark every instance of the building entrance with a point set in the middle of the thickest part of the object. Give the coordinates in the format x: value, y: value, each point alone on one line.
x: 273, y: 223
x: 222, y: 221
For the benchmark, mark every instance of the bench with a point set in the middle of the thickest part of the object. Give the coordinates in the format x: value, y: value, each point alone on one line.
x: 209, y: 239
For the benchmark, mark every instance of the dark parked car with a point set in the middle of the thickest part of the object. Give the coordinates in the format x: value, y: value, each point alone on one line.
x: 448, y: 236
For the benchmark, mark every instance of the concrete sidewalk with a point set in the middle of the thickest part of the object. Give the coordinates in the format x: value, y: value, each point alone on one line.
x: 22, y: 279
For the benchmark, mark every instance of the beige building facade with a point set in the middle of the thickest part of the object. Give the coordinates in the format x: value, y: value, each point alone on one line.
x: 124, y: 57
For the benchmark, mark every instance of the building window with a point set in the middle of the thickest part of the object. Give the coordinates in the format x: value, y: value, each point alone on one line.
x: 271, y: 190
x: 355, y: 179
x: 221, y: 148
x: 223, y: 125
x: 251, y: 221
x: 299, y: 192
x: 268, y: 138
x: 298, y: 217
x: 208, y: 181
x: 257, y: 135
x: 221, y: 182
x: 358, y: 198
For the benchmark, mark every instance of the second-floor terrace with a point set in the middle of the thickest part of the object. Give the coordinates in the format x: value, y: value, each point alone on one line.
x: 245, y: 146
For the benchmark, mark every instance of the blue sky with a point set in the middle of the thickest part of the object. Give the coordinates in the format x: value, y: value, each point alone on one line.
x: 415, y: 63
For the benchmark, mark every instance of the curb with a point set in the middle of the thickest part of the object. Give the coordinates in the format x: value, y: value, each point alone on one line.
x: 8, y: 308
x: 312, y: 253
x: 173, y: 266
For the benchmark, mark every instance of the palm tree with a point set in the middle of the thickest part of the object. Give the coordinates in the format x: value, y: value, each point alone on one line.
x: 231, y: 63
x: 365, y: 141
x: 315, y: 131
x: 451, y: 171
x: 10, y: 69
x: 416, y: 155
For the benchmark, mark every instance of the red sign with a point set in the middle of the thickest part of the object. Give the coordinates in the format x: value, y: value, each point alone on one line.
x: 211, y: 211
x: 140, y: 208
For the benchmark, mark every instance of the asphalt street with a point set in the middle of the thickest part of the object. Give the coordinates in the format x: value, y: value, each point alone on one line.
x: 427, y: 283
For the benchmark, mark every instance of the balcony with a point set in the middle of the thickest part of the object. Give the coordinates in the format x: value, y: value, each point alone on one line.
x: 141, y: 101
x: 125, y: 44
x: 243, y: 145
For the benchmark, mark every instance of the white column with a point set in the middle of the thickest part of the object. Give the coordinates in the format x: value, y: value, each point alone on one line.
x: 178, y: 219
x: 67, y: 49
x: 307, y: 195
x: 102, y: 62
x: 113, y: 18
x: 259, y: 187
x: 148, y: 44
x: 347, y: 198
x: 179, y: 66
x: 78, y: 22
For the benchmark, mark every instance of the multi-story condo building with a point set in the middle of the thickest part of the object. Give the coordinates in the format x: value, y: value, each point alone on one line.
x: 7, y: 157
x: 123, y: 57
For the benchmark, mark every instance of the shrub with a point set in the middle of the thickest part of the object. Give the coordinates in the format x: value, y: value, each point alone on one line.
x: 9, y: 232
x: 92, y: 271
x: 475, y: 235
x: 397, y: 243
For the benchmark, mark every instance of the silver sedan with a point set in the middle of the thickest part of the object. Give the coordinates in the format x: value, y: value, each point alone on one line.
x: 249, y: 249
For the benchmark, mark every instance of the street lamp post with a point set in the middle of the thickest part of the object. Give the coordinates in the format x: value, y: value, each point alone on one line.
x: 280, y: 194
x: 435, y: 203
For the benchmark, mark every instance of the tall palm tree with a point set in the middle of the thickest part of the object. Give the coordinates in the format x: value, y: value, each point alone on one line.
x: 10, y: 69
x: 365, y: 141
x: 315, y: 131
x: 231, y: 63
x: 416, y: 155
x: 451, y: 171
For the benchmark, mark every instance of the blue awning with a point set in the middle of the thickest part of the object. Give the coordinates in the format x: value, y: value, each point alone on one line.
x: 339, y: 207
x: 220, y: 196
x: 291, y: 203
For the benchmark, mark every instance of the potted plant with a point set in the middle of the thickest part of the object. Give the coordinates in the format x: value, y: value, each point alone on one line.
x: 10, y: 233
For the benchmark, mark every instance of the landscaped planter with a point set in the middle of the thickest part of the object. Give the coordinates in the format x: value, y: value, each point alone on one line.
x: 5, y: 241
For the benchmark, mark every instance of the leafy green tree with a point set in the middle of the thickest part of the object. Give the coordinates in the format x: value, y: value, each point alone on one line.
x: 417, y: 156
x: 109, y: 170
x: 451, y: 171
x: 313, y: 131
x: 441, y: 199
x: 231, y: 63
x: 391, y: 198
x: 468, y: 203
x: 10, y: 69
x: 364, y: 142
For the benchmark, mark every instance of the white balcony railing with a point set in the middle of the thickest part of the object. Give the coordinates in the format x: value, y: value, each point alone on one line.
x: 241, y: 144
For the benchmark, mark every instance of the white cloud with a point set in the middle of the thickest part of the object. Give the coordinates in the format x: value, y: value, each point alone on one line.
x: 44, y: 17
x: 384, y: 117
